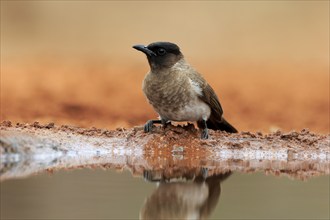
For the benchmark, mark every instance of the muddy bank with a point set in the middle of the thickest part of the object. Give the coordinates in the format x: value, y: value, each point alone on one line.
x: 177, y: 150
x: 186, y: 136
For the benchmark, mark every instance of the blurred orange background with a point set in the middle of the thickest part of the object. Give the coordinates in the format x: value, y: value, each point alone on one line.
x: 71, y: 62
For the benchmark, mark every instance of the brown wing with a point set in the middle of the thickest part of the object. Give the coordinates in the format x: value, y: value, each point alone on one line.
x: 211, y: 99
x: 208, y: 95
x: 215, y: 121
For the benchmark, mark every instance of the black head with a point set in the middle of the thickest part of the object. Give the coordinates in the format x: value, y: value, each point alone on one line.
x: 161, y: 54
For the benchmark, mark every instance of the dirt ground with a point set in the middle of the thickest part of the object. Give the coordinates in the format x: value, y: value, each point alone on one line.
x: 96, y: 93
x: 169, y: 152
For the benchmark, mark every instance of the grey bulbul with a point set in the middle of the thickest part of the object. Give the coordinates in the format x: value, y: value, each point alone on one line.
x: 178, y: 92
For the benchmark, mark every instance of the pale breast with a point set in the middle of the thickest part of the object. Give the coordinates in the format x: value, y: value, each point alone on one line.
x: 195, y: 110
x: 175, y: 96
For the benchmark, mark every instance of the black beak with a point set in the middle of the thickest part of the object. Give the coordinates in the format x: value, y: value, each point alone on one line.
x: 145, y: 50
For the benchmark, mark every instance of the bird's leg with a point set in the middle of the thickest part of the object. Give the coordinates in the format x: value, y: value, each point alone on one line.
x: 205, y: 133
x: 150, y: 123
x: 202, y: 175
x: 149, y: 176
x: 204, y: 172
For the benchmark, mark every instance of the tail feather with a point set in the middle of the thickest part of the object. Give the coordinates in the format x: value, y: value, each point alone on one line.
x: 223, y: 125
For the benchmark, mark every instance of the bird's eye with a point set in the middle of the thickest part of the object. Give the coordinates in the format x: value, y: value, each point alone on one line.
x: 161, y: 51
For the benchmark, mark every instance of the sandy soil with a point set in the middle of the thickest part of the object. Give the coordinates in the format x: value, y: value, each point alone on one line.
x: 95, y: 93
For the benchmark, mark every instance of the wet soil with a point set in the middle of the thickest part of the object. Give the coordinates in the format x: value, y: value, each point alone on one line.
x: 164, y: 153
x: 184, y: 135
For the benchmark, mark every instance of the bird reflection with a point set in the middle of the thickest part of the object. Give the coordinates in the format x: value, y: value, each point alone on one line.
x: 194, y: 198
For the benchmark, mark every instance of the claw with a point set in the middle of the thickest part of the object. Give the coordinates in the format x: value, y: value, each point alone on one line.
x: 150, y: 123
x: 148, y: 126
x: 205, y: 134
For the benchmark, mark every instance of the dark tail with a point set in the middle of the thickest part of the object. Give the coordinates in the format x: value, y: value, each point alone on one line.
x: 223, y: 125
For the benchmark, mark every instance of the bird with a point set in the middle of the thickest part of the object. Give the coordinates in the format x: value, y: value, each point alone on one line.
x: 183, y: 194
x: 178, y: 92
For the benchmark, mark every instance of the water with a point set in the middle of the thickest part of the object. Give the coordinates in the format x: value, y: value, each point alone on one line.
x: 92, y: 194
x: 62, y: 175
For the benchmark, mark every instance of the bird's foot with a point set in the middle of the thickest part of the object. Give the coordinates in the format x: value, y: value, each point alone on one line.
x: 204, y: 172
x: 203, y: 126
x: 205, y: 133
x: 148, y: 126
x: 147, y: 175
